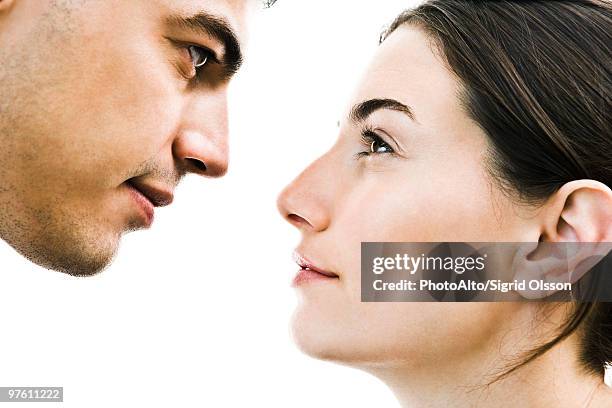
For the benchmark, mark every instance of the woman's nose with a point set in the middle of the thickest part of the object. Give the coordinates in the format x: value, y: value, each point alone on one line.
x: 304, y: 203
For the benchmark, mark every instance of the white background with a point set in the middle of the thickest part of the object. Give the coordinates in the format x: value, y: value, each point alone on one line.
x: 195, y: 312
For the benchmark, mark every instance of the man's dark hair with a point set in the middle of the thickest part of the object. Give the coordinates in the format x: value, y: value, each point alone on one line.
x: 536, y: 77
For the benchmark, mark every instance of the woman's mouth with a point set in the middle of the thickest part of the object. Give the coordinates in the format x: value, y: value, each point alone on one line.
x: 309, y: 272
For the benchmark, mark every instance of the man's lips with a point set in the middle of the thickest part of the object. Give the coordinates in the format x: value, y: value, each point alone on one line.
x: 309, y: 271
x: 158, y: 197
x: 147, y: 197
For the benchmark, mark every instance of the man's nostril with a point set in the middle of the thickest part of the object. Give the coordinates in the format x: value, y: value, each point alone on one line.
x: 198, y: 164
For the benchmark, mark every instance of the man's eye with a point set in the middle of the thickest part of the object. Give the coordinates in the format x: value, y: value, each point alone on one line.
x: 199, y: 56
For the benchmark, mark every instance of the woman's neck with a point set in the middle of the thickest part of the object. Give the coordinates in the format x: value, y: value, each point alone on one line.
x: 553, y: 380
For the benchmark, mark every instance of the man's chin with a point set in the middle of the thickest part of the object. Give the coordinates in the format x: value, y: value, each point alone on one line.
x: 81, y: 258
x: 84, y: 268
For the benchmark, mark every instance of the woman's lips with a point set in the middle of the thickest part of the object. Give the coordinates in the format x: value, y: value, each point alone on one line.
x: 309, y: 272
x: 307, y: 275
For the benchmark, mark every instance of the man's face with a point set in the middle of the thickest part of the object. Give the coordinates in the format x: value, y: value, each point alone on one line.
x: 102, y: 111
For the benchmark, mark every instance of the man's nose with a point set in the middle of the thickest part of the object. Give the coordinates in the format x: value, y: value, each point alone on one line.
x: 201, y: 145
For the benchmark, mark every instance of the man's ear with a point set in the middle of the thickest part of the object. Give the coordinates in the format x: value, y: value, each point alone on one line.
x: 576, y: 234
x: 6, y: 5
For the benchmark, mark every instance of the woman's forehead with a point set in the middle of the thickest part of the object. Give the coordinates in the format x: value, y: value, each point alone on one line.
x: 407, y: 69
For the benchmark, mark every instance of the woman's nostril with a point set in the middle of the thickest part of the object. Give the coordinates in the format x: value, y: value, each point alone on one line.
x: 296, y: 219
x: 198, y: 164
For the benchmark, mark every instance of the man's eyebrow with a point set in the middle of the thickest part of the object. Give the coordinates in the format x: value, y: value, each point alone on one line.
x: 363, y: 110
x: 203, y: 23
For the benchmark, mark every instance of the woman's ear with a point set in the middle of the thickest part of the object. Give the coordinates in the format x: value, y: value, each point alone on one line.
x: 576, y: 234
x: 581, y: 211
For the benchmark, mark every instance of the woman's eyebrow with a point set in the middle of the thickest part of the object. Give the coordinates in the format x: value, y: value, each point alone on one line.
x: 363, y: 110
x: 218, y: 28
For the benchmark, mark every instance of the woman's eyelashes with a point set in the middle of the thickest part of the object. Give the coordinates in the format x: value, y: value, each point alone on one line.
x: 374, y: 144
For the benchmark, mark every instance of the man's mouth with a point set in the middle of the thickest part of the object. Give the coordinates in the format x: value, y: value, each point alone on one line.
x: 309, y: 271
x: 147, y: 197
x: 158, y: 197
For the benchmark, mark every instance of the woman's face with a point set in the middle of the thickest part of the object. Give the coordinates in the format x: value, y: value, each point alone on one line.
x: 408, y: 166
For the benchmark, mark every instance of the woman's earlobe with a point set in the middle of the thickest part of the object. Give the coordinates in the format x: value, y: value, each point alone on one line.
x: 554, y: 265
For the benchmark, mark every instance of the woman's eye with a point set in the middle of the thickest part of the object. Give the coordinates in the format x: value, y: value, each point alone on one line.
x: 379, y: 146
x: 199, y: 56
x: 375, y: 144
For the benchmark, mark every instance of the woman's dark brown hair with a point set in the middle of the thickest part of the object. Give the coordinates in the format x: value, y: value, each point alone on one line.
x: 536, y: 78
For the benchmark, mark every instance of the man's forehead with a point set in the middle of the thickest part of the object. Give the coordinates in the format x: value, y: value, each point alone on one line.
x: 234, y: 12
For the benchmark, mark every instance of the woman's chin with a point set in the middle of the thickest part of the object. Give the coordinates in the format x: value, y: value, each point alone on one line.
x: 319, y: 336
x: 314, y: 336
